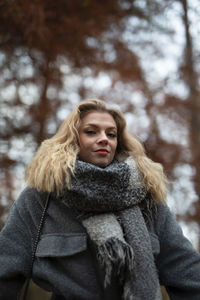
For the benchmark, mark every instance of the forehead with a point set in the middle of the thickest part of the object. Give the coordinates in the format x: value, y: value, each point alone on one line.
x: 98, y: 119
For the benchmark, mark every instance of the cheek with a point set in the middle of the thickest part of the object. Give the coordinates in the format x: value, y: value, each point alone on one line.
x: 84, y: 143
x: 81, y: 141
x: 114, y: 146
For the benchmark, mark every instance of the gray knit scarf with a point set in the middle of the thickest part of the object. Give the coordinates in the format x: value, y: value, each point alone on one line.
x: 109, y: 200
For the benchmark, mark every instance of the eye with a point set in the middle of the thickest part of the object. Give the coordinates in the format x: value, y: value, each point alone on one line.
x: 90, y: 132
x: 111, y: 135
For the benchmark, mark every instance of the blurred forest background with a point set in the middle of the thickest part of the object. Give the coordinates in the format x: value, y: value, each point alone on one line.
x: 142, y: 56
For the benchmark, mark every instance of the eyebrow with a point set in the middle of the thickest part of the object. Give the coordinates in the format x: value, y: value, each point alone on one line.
x: 96, y: 126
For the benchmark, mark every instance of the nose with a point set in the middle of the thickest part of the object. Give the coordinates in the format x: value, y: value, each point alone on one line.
x: 103, y: 139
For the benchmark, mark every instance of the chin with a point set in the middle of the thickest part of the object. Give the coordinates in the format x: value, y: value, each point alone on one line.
x: 101, y: 164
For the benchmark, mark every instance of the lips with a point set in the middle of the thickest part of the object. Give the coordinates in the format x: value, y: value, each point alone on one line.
x: 102, y: 151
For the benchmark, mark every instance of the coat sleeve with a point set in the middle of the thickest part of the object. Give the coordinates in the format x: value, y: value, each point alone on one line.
x: 15, y: 249
x: 178, y: 263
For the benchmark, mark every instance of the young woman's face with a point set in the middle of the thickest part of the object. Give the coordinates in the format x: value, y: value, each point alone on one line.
x: 97, y: 138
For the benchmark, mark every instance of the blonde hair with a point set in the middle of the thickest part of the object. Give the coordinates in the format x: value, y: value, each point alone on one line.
x: 54, y: 162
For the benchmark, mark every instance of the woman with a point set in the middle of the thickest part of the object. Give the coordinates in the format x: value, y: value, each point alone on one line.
x: 107, y: 232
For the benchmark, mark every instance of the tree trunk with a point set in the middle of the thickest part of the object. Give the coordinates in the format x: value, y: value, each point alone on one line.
x: 191, y: 80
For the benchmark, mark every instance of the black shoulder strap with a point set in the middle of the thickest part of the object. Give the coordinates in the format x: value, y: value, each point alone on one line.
x: 35, y: 245
x: 39, y: 231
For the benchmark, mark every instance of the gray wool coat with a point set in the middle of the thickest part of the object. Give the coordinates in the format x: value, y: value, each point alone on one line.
x: 65, y: 262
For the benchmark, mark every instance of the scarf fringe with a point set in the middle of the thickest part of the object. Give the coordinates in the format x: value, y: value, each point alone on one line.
x: 127, y: 292
x: 115, y: 255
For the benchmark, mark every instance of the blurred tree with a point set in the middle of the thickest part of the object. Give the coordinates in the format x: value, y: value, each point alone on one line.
x: 183, y: 111
x: 52, y: 52
x: 190, y: 75
x: 38, y: 40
